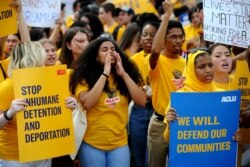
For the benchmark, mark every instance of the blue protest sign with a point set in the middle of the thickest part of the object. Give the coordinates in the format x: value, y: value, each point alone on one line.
x: 202, y: 136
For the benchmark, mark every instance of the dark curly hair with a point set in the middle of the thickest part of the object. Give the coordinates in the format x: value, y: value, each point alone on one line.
x: 89, y: 70
x: 147, y: 18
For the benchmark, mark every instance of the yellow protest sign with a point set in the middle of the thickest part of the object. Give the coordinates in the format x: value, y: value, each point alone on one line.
x: 242, y: 78
x: 8, y: 18
x: 139, y: 6
x: 45, y: 129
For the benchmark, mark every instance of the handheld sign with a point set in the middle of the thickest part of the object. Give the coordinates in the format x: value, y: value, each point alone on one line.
x: 41, y: 13
x: 47, y: 124
x: 8, y: 18
x: 242, y: 77
x: 227, y: 22
x: 204, y: 130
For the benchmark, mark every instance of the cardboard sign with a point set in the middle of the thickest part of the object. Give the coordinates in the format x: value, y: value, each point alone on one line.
x: 46, y: 127
x: 8, y: 18
x: 41, y: 13
x: 227, y: 22
x: 204, y: 130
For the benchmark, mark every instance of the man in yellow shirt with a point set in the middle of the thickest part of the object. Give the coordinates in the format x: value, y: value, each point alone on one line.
x: 107, y: 14
x: 163, y: 69
x: 125, y: 15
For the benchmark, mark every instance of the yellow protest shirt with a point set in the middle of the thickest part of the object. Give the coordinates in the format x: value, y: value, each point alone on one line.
x: 161, y: 78
x: 226, y: 86
x: 128, y: 53
x: 69, y: 21
x: 191, y: 32
x: 111, y: 30
x: 8, y: 135
x: 107, y: 120
x: 141, y: 60
x: 4, y: 64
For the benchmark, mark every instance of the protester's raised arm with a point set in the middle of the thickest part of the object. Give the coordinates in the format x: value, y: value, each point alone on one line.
x: 159, y: 39
x: 53, y: 37
x: 22, y: 26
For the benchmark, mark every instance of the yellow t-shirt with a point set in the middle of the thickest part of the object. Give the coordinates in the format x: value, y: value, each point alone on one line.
x: 225, y: 86
x: 107, y: 120
x: 161, y: 78
x: 69, y: 21
x: 190, y: 32
x: 5, y: 64
x: 111, y: 30
x: 8, y: 135
x: 141, y: 60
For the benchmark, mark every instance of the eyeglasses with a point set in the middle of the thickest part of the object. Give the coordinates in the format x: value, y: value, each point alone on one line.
x: 175, y: 37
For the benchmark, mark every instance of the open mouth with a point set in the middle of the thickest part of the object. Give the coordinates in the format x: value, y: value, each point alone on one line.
x: 225, y: 65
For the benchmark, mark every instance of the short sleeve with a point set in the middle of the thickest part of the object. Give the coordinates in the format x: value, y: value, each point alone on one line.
x: 6, y: 94
x: 80, y: 88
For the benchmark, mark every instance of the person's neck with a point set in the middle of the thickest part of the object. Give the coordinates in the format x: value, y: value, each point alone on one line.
x: 221, y: 78
x: 196, y: 26
x: 170, y: 54
x: 75, y: 57
x: 110, y: 22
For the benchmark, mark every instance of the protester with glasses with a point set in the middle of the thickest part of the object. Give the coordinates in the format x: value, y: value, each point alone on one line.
x: 163, y: 69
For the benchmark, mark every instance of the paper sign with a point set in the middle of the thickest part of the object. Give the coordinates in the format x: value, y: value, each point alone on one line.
x: 45, y: 129
x: 227, y: 22
x: 202, y: 135
x: 8, y: 18
x: 41, y: 13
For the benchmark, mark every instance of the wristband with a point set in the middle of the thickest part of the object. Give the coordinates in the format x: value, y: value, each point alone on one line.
x: 6, y: 116
x: 105, y: 75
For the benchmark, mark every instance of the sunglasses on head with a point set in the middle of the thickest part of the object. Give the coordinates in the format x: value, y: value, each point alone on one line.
x: 197, y: 49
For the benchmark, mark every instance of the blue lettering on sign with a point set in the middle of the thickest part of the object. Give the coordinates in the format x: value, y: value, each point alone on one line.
x: 39, y: 17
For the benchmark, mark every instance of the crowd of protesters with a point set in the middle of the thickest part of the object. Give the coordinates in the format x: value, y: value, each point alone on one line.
x: 122, y: 66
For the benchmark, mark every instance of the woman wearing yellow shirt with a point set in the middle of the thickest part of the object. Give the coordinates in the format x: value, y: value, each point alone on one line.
x: 192, y: 30
x: 24, y: 55
x: 140, y: 116
x: 104, y: 81
x: 222, y: 60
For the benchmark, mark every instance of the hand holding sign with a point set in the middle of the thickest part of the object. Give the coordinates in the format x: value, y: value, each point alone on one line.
x: 16, y: 4
x: 17, y: 105
x: 171, y: 115
x: 71, y: 103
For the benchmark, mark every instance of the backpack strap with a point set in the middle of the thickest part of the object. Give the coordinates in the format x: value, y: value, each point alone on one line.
x: 3, y: 72
x: 115, y: 32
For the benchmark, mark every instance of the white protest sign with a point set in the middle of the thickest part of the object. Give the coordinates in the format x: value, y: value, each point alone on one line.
x: 227, y: 22
x: 41, y: 13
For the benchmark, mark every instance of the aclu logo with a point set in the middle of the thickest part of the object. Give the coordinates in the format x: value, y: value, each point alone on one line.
x: 226, y: 99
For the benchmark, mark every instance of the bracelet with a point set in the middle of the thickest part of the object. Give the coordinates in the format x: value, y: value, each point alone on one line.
x: 105, y: 75
x: 6, y: 116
